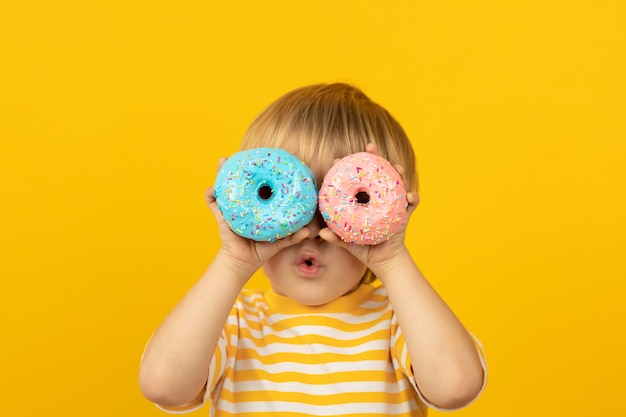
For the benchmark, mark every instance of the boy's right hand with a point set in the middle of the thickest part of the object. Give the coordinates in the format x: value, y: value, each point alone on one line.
x: 247, y: 255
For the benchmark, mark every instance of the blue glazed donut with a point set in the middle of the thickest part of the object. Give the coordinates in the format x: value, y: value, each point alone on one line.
x: 265, y: 194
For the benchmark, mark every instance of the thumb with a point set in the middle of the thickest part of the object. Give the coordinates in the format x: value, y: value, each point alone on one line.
x: 292, y: 239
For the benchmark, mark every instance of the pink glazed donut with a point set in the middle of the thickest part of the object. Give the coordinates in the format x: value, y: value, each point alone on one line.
x: 363, y: 199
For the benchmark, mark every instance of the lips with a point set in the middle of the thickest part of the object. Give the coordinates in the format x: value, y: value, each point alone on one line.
x: 308, y: 264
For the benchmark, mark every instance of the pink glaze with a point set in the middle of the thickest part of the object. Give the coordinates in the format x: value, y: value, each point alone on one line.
x: 363, y: 199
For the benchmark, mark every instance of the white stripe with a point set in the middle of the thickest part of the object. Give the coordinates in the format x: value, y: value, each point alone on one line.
x: 264, y: 408
x: 374, y: 387
x: 372, y: 305
x: 314, y: 348
x: 403, y: 357
x: 253, y: 296
x: 327, y: 331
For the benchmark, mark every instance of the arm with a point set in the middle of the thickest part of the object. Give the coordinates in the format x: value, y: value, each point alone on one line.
x: 445, y: 360
x: 175, y: 364
x: 446, y: 363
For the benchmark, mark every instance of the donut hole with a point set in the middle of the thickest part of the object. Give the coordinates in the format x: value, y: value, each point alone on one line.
x: 362, y: 197
x: 265, y: 192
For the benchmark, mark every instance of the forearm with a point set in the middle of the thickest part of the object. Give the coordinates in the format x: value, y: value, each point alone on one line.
x: 446, y: 365
x: 175, y: 364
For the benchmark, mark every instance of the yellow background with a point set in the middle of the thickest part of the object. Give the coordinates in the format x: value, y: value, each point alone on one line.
x: 113, y: 114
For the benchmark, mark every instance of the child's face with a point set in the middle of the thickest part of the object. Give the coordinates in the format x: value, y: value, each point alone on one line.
x: 314, y: 272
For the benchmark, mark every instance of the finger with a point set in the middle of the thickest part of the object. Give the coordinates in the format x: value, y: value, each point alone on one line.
x: 292, y: 239
x: 327, y: 235
x: 371, y: 148
x: 413, y: 198
x: 210, y: 192
x: 220, y: 162
x: 400, y: 170
x: 210, y: 195
x: 215, y: 209
x: 210, y: 199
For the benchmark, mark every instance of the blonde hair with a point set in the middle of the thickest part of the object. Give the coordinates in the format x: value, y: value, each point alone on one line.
x: 322, y: 122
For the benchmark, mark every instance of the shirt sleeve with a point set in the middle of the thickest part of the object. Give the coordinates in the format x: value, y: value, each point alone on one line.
x: 400, y: 354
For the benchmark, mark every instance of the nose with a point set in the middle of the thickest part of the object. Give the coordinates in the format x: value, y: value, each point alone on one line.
x: 316, y: 225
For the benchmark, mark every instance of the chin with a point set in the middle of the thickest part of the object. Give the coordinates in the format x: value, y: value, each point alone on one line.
x: 310, y: 299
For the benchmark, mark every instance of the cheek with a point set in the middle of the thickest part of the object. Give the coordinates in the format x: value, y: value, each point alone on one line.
x: 272, y: 268
x: 279, y: 270
x: 350, y: 267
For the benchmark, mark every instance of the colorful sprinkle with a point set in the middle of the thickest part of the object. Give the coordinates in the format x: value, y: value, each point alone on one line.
x: 365, y: 224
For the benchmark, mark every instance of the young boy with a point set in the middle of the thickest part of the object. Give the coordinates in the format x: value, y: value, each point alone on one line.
x: 360, y: 333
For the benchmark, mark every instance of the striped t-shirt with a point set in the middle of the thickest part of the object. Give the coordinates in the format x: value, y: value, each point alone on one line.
x: 346, y: 358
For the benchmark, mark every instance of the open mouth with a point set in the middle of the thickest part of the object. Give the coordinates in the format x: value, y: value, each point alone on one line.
x: 308, y: 265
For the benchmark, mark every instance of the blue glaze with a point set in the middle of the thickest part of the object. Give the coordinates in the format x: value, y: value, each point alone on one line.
x: 266, y: 194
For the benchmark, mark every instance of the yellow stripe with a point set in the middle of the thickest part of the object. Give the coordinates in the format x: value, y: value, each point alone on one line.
x: 255, y: 307
x: 309, y: 359
x: 333, y: 322
x: 322, y: 379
